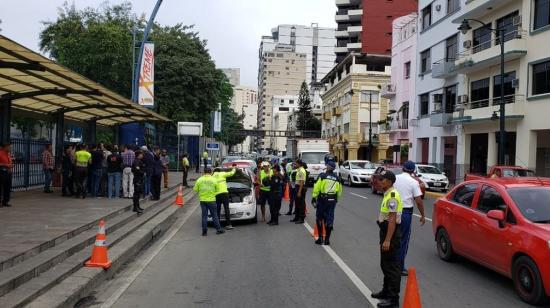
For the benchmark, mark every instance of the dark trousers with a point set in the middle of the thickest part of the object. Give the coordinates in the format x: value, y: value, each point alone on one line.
x: 5, y: 186
x: 205, y: 163
x: 155, y: 185
x: 81, y: 177
x: 389, y: 262
x: 185, y: 173
x: 47, y: 179
x: 405, y: 228
x: 223, y: 200
x: 96, y: 181
x: 67, y: 188
x: 300, y: 205
x: 325, y: 211
x: 138, y: 191
x: 292, y: 198
x: 275, y: 207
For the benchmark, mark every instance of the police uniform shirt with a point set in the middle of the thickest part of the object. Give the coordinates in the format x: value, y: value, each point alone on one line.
x: 408, y: 189
x: 301, y: 175
x: 392, y: 206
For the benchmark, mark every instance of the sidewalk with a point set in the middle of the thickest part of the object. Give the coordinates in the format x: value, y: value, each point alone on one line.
x: 37, y: 220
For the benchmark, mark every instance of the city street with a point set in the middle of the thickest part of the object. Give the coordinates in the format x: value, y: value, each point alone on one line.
x: 263, y: 266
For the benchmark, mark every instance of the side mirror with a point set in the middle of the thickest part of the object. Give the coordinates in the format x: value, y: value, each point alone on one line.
x: 444, y: 173
x: 497, y: 215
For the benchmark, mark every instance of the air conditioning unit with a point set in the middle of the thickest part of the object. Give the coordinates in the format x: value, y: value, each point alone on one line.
x: 515, y: 83
x: 463, y: 99
x: 467, y: 44
x: 438, y: 98
x: 438, y: 7
x: 516, y: 21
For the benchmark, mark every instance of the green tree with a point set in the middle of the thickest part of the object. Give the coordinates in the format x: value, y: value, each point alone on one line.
x: 306, y: 120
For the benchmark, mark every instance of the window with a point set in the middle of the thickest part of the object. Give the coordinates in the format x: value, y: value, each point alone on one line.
x: 424, y: 104
x: 541, y: 78
x: 507, y: 23
x: 370, y: 96
x: 291, y: 102
x: 346, y: 128
x: 542, y: 14
x: 450, y: 98
x: 425, y: 61
x: 407, y: 70
x: 452, y: 6
x: 426, y: 17
x: 465, y: 194
x: 489, y: 200
x: 482, y: 38
x: 508, y: 88
x: 451, y: 48
x: 480, y: 93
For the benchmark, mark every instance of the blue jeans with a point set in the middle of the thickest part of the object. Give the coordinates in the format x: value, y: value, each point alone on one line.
x: 96, y: 181
x: 405, y: 227
x: 212, y: 208
x: 47, y: 179
x: 113, y: 177
x: 147, y: 184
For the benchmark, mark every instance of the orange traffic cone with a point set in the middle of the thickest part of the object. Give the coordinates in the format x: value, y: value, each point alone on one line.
x: 179, y: 197
x: 99, y: 253
x: 412, y: 294
x: 286, y: 196
x: 316, y: 231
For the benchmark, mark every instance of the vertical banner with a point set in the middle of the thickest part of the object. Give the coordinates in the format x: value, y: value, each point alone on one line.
x: 146, y: 93
x: 217, y: 121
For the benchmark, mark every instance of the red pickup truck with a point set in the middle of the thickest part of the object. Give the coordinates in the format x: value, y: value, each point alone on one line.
x: 502, y: 171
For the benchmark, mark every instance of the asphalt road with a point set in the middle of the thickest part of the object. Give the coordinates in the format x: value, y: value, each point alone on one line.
x: 263, y: 266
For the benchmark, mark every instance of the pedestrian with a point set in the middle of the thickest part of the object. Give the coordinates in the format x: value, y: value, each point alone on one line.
x: 96, y: 168
x: 107, y: 150
x: 205, y: 160
x: 276, y: 188
x: 185, y: 166
x: 149, y: 161
x: 205, y: 186
x: 138, y: 169
x: 114, y: 174
x: 325, y: 195
x: 6, y: 171
x: 265, y: 173
x: 291, y: 172
x: 156, y: 176
x: 390, y: 240
x: 410, y: 192
x: 47, y: 166
x: 82, y: 161
x: 128, y: 157
x: 165, y: 159
x: 67, y: 170
x: 222, y: 194
x: 301, y: 190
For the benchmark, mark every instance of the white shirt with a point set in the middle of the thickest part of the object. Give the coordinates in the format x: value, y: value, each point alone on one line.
x: 408, y: 189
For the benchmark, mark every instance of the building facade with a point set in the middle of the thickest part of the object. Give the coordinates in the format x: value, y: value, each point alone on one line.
x: 282, y: 107
x: 245, y: 102
x: 401, y: 90
x: 234, y: 75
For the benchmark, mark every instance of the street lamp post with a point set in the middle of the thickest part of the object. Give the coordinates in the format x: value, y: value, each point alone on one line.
x: 370, y: 123
x: 464, y: 28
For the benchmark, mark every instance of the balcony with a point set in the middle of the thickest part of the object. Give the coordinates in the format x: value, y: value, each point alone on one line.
x: 388, y: 90
x: 354, y: 46
x: 440, y: 119
x: 483, y: 110
x: 341, y: 17
x: 399, y: 125
x: 355, y: 15
x: 337, y: 111
x: 327, y: 115
x: 443, y: 68
x: 384, y: 128
x: 355, y: 30
x: 341, y: 49
x: 487, y: 54
x: 347, y: 2
x: 478, y: 8
x: 341, y: 34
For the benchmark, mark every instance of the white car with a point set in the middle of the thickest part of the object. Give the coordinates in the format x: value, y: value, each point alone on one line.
x: 356, y: 172
x: 432, y: 177
x: 242, y: 201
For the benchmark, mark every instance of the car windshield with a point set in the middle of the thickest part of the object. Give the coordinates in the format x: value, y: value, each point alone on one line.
x: 517, y: 172
x: 533, y: 203
x: 361, y: 165
x: 314, y: 157
x: 428, y: 170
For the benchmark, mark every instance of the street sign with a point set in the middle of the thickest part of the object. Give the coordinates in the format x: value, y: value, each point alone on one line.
x: 213, y: 146
x: 189, y: 128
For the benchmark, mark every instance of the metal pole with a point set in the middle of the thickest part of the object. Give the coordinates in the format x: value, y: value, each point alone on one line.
x: 178, y: 157
x: 370, y: 126
x: 502, y: 105
x: 133, y: 63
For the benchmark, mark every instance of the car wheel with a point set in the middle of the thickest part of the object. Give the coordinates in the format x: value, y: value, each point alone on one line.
x: 527, y: 281
x: 444, y: 246
x: 350, y: 183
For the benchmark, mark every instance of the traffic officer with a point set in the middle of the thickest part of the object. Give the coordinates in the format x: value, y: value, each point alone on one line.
x: 276, y: 182
x: 222, y: 194
x: 205, y: 186
x: 299, y: 202
x: 265, y: 173
x: 325, y: 194
x: 291, y: 174
x: 185, y: 164
x: 390, y: 240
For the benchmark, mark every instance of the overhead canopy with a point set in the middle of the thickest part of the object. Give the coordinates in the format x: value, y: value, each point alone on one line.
x: 37, y: 84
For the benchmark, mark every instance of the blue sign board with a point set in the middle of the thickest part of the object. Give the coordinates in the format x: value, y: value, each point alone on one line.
x: 213, y: 146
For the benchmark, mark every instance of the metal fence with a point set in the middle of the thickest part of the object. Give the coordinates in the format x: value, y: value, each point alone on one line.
x: 27, y: 162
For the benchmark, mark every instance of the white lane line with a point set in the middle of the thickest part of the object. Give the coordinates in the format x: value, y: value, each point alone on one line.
x: 358, y: 195
x: 428, y: 219
x: 345, y: 268
x: 143, y: 263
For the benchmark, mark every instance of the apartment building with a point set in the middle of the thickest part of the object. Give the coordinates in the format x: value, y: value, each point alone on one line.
x: 245, y: 102
x: 282, y: 107
x: 234, y: 75
x: 365, y: 26
x: 401, y: 90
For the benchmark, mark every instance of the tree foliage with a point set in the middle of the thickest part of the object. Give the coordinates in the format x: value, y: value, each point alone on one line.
x: 306, y: 120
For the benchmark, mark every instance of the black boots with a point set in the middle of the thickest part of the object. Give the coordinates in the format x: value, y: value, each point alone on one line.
x: 327, y: 237
x: 138, y: 210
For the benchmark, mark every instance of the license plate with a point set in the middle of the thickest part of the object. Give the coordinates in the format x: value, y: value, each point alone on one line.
x: 438, y: 184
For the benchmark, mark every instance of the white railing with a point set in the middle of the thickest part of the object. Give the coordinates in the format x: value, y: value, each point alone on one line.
x: 494, y: 101
x: 495, y: 41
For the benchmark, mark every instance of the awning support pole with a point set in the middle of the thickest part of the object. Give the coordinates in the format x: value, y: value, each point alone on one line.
x: 5, y: 120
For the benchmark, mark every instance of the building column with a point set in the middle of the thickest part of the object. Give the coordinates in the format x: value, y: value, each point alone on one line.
x: 116, y: 133
x: 462, y: 155
x: 352, y: 150
x: 492, y: 150
x: 59, y: 118
x: 92, y: 131
x: 5, y: 120
x: 526, y: 148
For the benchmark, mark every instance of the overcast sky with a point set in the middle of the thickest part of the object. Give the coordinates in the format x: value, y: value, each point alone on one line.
x: 233, y: 28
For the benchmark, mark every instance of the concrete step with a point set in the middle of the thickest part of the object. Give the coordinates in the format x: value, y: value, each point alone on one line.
x: 23, y: 282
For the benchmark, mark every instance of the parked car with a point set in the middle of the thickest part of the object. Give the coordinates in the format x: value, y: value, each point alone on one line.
x: 501, y: 171
x: 241, y: 163
x: 432, y: 177
x: 229, y: 159
x: 356, y: 172
x: 502, y: 224
x: 242, y: 200
x: 396, y: 170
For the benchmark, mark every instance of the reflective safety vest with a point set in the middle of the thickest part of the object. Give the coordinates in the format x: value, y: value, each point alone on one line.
x: 327, y: 185
x: 221, y: 179
x: 390, y: 204
x: 206, y: 187
x: 263, y: 175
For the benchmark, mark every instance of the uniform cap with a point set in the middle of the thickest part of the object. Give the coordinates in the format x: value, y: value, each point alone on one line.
x: 386, y: 174
x: 409, y: 166
x: 331, y: 164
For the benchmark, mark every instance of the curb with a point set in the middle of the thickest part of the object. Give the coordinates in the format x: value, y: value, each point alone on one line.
x: 82, y: 282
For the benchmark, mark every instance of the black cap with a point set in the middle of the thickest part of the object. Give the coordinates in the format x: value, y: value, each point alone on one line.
x: 386, y: 174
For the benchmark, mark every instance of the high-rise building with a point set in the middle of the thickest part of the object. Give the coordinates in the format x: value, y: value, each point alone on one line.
x: 365, y: 26
x: 234, y: 75
x: 245, y: 102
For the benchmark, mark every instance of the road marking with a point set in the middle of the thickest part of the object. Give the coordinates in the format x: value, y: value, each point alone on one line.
x: 358, y: 195
x: 143, y: 263
x: 347, y: 270
x: 428, y: 219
